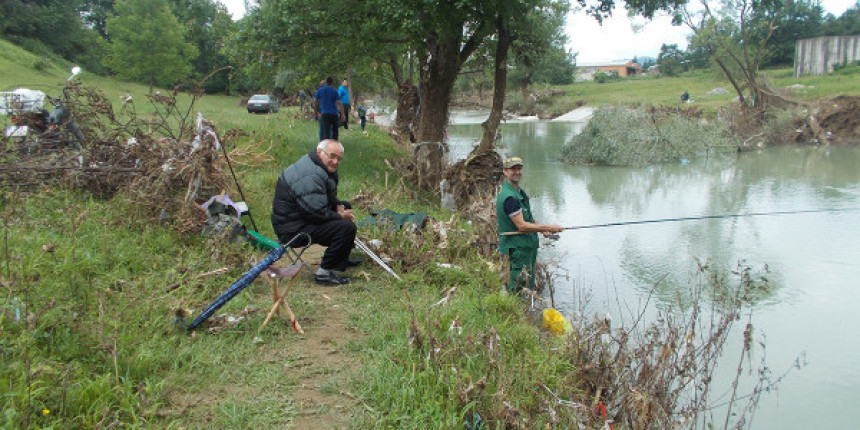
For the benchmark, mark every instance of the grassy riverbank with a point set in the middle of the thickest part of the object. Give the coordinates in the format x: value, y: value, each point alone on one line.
x: 87, y: 314
x: 666, y: 91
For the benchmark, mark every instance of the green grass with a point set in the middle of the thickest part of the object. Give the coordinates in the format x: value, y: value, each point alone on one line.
x: 666, y: 91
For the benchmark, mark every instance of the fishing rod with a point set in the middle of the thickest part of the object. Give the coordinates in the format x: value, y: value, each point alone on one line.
x: 691, y: 218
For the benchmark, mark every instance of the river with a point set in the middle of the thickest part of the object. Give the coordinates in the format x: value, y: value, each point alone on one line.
x: 810, y: 259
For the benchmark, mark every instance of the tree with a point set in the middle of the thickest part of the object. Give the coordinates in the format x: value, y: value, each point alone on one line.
x: 538, y: 47
x: 55, y: 25
x: 96, y: 13
x: 846, y: 25
x: 646, y: 62
x: 208, y: 27
x: 432, y: 39
x: 556, y: 67
x: 148, y: 44
x: 735, y: 45
x: 670, y: 60
x: 794, y: 20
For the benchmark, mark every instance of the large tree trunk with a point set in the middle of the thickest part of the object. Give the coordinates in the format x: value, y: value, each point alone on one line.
x: 407, y: 100
x: 407, y: 105
x: 435, y: 93
x: 445, y: 55
x: 500, y: 81
x: 441, y: 67
x: 524, y: 89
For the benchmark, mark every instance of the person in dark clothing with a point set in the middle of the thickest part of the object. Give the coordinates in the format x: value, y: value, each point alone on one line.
x: 330, y: 108
x: 306, y: 202
x: 362, y: 115
x: 317, y: 113
x: 303, y: 98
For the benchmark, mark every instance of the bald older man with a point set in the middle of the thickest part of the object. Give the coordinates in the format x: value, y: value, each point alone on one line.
x: 306, y: 202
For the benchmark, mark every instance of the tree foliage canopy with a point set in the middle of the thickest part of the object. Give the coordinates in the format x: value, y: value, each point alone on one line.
x: 848, y: 24
x: 148, y: 43
x: 43, y: 26
x: 670, y: 60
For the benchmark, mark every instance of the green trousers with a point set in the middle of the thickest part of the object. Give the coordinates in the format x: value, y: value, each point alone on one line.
x: 522, y: 257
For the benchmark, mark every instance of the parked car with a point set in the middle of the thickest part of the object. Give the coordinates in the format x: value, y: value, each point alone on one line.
x: 262, y: 103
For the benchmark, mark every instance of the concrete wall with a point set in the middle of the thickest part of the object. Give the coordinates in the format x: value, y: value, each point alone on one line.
x: 818, y: 55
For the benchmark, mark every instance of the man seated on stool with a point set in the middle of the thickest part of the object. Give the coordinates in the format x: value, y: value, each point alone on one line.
x: 306, y: 202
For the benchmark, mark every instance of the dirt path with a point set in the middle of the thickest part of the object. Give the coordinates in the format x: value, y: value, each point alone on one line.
x: 321, y: 396
x: 274, y: 377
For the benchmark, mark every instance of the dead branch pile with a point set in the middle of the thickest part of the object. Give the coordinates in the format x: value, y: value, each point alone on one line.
x: 837, y: 116
x: 165, y: 165
x: 474, y: 181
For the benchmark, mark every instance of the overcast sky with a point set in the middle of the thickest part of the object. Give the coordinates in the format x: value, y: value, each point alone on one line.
x: 615, y: 39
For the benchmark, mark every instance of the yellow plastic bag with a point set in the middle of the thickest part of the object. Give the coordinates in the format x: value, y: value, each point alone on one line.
x: 555, y: 322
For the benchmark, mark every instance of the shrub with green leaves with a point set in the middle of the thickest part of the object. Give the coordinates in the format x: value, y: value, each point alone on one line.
x: 604, y: 77
x: 631, y: 137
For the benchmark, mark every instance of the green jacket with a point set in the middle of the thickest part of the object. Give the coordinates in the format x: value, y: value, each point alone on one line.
x: 529, y: 240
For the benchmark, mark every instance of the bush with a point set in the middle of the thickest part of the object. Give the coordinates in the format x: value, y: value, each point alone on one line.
x: 604, y: 77
x: 847, y: 68
x: 628, y: 137
x: 42, y: 64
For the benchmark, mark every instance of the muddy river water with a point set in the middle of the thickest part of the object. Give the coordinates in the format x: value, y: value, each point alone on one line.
x: 811, y: 307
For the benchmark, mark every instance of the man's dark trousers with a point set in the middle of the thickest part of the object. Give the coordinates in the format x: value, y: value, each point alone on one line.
x: 345, y: 115
x: 328, y: 126
x: 339, y: 238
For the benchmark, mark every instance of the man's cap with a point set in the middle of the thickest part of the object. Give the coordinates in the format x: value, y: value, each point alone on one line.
x: 513, y: 162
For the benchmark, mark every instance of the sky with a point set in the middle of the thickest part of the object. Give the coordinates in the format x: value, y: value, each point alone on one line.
x: 615, y: 39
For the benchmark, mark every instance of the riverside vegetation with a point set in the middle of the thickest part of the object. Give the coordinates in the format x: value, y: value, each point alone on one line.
x: 88, y: 335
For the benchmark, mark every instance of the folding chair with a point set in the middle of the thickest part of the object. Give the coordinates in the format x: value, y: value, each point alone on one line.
x: 297, y: 246
x: 273, y: 276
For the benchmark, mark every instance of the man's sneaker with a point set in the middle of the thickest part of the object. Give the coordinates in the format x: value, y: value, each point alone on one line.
x: 331, y: 279
x: 353, y: 262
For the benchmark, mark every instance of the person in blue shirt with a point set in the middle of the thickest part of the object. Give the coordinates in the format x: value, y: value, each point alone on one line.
x: 343, y: 92
x: 331, y: 109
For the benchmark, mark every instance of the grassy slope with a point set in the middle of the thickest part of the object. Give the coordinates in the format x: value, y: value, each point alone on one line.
x: 665, y: 91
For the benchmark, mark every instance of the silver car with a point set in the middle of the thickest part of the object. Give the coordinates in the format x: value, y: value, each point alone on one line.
x: 262, y: 103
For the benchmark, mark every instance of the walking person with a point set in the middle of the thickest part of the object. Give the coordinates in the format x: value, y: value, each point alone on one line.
x: 306, y: 201
x: 303, y: 98
x: 514, y: 215
x: 343, y: 92
x: 331, y: 109
x: 362, y: 114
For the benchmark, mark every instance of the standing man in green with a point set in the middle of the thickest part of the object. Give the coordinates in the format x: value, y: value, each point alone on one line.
x: 514, y: 215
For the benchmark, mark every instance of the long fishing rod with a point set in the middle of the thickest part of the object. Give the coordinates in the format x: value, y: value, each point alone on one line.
x: 691, y: 218
x: 239, y: 187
